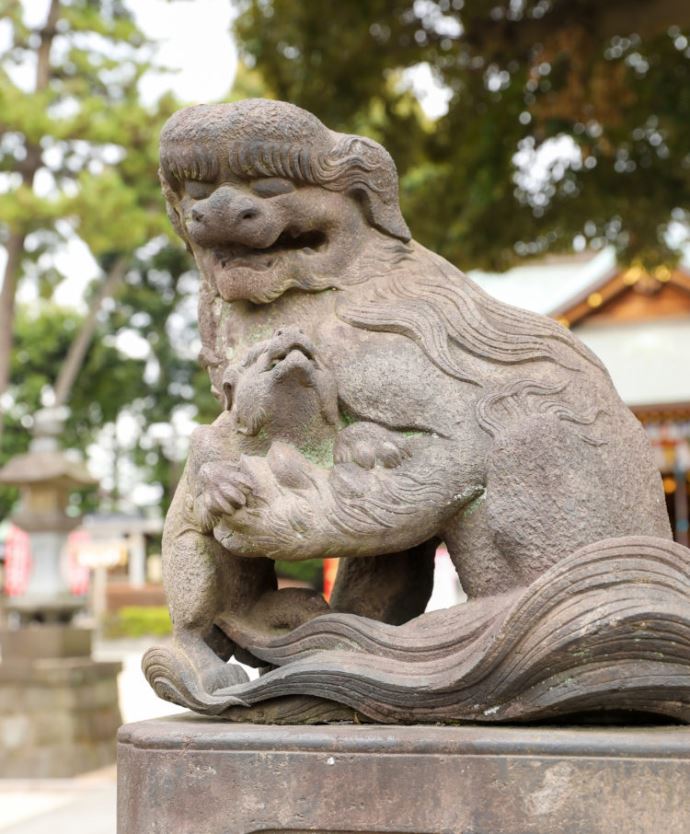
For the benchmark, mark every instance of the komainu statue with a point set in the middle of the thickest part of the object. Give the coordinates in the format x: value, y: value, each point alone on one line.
x: 377, y: 402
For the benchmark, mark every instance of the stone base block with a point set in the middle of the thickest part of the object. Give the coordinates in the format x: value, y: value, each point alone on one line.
x: 192, y: 775
x: 58, y: 717
x: 44, y: 641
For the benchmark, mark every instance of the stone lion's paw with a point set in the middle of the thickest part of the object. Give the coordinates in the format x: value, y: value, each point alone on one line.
x: 368, y: 445
x: 223, y: 489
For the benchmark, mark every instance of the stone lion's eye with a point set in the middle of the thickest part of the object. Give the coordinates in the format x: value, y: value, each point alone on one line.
x: 198, y: 190
x: 272, y: 187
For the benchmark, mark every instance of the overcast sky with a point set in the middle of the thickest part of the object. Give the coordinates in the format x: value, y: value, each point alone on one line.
x: 194, y: 39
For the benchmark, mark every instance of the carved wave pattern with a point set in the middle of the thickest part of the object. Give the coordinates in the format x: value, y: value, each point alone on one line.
x: 606, y: 628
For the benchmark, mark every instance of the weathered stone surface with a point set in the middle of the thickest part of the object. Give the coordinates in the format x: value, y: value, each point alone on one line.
x: 198, y: 776
x: 58, y: 717
x: 376, y: 401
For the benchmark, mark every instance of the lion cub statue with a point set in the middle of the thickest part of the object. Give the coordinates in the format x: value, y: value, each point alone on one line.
x: 279, y: 399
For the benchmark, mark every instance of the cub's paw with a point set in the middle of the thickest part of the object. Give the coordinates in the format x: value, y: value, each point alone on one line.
x: 369, y: 445
x: 221, y: 490
x: 222, y: 676
x: 288, y: 608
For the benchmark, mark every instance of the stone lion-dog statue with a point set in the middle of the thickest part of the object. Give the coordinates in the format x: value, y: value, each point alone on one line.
x: 378, y: 402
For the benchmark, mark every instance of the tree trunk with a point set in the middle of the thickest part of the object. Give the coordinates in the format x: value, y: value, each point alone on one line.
x: 47, y: 36
x: 15, y: 242
x: 77, y: 351
x: 15, y: 248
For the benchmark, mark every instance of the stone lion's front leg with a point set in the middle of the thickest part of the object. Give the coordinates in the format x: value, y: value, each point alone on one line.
x: 203, y: 582
x: 292, y: 509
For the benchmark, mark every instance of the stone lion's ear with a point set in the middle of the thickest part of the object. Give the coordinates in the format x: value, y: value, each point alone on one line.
x: 228, y: 394
x: 384, y: 216
x: 170, y: 203
x: 366, y: 171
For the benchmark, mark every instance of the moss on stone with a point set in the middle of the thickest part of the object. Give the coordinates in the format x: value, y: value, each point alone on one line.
x: 319, y: 453
x: 260, y: 332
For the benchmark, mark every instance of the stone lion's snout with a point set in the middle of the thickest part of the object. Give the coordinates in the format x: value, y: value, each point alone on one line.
x: 231, y: 216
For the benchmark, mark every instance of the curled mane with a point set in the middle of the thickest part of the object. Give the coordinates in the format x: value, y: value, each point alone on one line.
x: 435, y: 305
x: 353, y: 161
x: 188, y: 162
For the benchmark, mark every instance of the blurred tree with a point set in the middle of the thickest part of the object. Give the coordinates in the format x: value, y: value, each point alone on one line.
x: 601, y: 89
x: 78, y: 155
x: 43, y: 335
x: 152, y: 309
x: 157, y: 304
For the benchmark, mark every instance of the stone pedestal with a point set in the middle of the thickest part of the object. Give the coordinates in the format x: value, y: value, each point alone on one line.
x: 193, y: 775
x: 58, y: 716
x: 43, y: 642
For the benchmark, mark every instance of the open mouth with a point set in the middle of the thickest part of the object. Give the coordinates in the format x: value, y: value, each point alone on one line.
x: 294, y: 354
x: 290, y: 240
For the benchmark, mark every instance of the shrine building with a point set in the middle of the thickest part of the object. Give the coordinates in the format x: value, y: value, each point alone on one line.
x: 638, y: 323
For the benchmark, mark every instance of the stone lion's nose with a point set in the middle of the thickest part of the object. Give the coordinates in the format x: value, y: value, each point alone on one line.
x: 230, y: 216
x: 290, y: 331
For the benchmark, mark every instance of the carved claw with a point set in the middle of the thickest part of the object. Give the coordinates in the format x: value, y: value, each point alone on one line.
x: 222, y: 677
x: 368, y: 445
x: 222, y: 490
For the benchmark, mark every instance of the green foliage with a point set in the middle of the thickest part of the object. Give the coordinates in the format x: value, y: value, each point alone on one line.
x: 613, y: 78
x: 92, y: 139
x: 109, y: 381
x: 80, y: 154
x: 309, y: 571
x: 157, y: 304
x: 138, y: 621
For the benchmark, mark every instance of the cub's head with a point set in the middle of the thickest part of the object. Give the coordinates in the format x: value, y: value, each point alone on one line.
x: 267, y: 198
x: 282, y: 391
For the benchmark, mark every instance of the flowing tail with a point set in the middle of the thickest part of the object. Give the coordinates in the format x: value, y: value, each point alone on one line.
x: 608, y: 627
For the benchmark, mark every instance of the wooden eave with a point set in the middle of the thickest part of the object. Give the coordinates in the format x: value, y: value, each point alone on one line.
x: 662, y: 413
x: 606, y: 301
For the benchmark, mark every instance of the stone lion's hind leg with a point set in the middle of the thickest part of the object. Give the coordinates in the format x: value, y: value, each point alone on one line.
x: 201, y: 581
x: 482, y: 568
x: 204, y: 583
x: 393, y: 588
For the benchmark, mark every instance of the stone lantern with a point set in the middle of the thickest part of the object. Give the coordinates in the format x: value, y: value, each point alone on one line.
x: 58, y: 707
x: 46, y: 476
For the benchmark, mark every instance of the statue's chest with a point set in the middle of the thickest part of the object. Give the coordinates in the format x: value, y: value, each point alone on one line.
x: 382, y: 377
x: 386, y: 378
x: 240, y: 325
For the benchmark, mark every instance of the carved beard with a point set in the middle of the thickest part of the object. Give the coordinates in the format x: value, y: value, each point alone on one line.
x: 269, y: 276
x: 382, y: 255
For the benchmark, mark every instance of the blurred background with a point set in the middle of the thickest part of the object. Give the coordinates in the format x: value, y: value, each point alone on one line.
x: 542, y: 146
